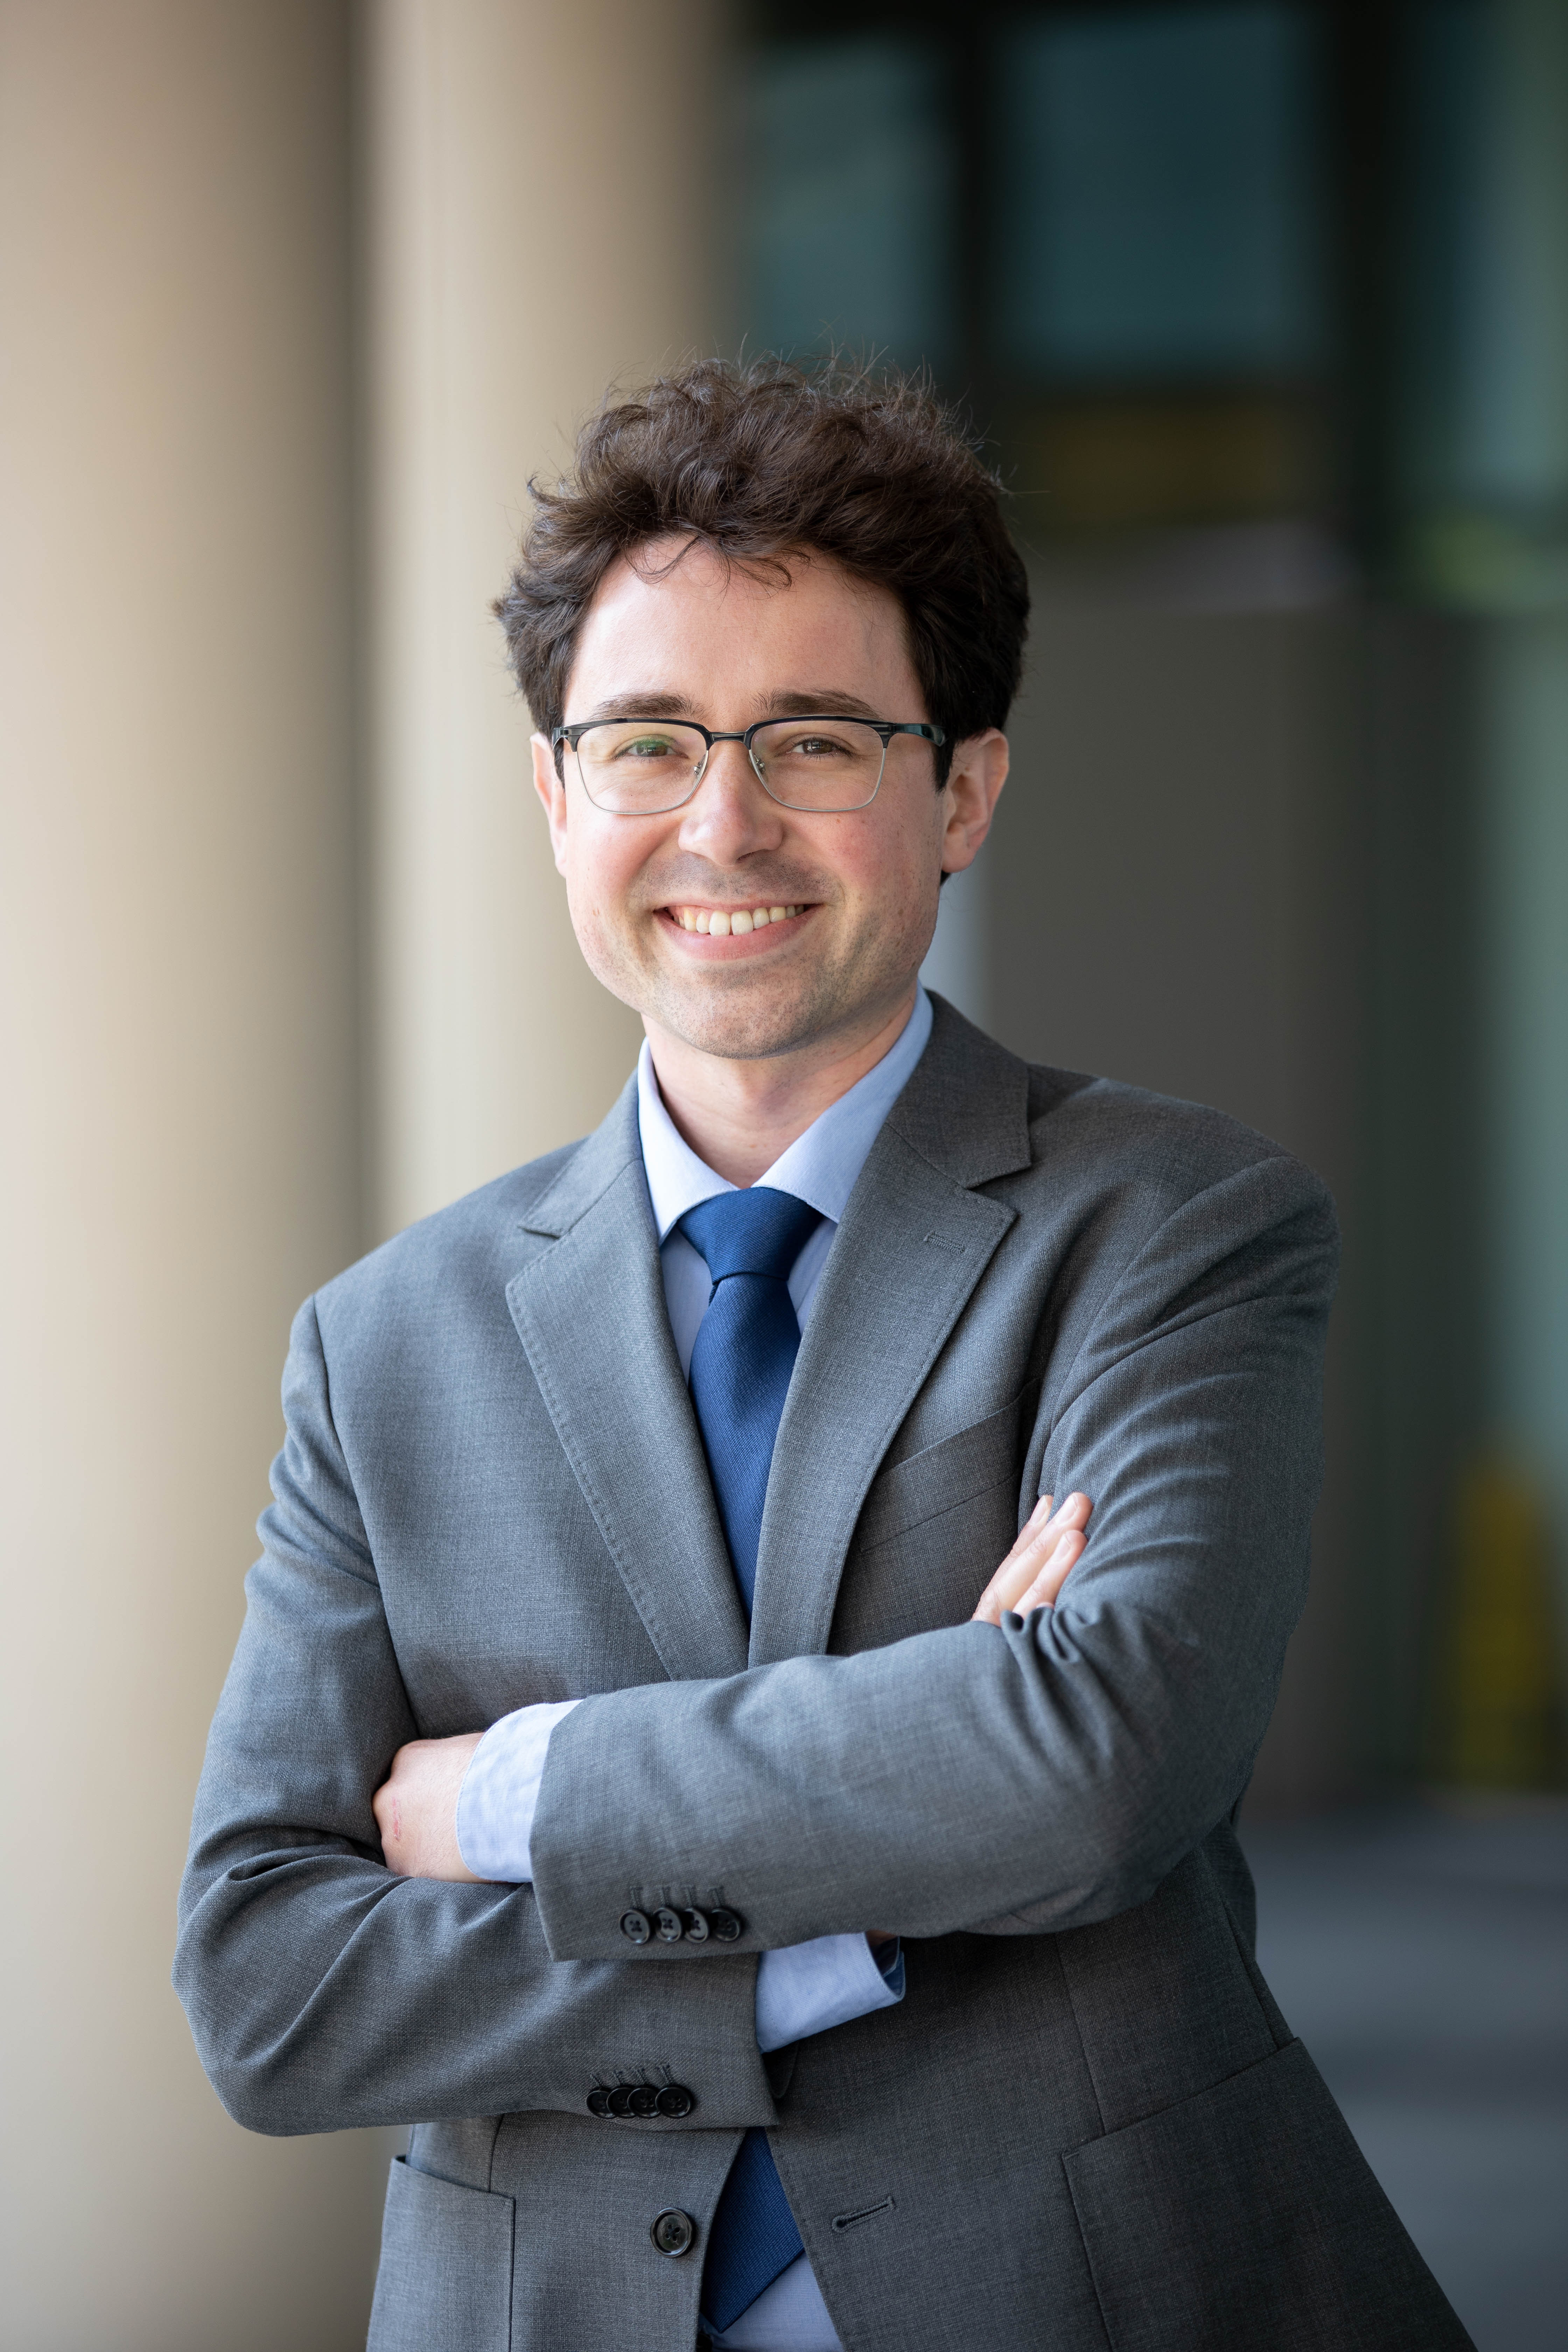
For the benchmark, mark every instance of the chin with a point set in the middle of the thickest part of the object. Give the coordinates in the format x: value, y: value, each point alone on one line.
x: 743, y: 1016
x: 737, y: 1032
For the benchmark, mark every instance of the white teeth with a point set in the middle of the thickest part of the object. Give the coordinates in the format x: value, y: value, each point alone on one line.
x: 719, y: 923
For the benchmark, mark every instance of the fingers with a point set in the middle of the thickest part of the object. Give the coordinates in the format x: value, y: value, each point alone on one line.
x: 1016, y: 1573
x: 1049, y: 1546
x: 1042, y: 1592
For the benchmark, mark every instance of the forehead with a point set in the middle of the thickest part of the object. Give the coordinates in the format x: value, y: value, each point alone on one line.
x: 675, y: 614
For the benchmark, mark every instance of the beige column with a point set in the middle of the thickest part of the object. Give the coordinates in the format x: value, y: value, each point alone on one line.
x: 178, y: 1087
x: 536, y: 228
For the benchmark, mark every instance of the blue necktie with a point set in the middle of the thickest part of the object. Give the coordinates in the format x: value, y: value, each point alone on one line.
x: 740, y: 1367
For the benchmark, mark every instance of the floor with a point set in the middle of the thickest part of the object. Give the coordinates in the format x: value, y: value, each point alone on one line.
x: 1421, y: 1954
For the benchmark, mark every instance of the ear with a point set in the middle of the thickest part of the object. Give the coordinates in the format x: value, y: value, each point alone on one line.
x: 969, y: 796
x: 552, y: 795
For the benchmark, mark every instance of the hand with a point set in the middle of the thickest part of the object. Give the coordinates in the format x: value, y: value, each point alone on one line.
x: 416, y: 1809
x: 1036, y: 1568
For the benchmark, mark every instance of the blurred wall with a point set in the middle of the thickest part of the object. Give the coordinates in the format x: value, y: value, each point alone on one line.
x: 1176, y: 896
x: 1521, y: 884
x: 1427, y: 1144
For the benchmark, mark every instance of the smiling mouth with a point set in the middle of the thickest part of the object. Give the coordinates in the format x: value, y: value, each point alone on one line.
x: 731, y: 922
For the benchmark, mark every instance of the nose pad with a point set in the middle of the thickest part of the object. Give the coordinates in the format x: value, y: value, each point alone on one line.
x: 732, y: 803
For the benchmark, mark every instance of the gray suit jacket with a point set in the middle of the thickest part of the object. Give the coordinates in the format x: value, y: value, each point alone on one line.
x: 1088, y: 2125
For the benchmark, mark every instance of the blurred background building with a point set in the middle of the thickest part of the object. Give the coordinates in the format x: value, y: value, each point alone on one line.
x: 1261, y: 309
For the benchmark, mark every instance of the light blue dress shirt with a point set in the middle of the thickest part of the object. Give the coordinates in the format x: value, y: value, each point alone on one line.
x: 805, y: 1988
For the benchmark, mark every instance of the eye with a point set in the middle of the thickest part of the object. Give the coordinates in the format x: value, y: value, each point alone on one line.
x: 648, y: 746
x: 816, y: 747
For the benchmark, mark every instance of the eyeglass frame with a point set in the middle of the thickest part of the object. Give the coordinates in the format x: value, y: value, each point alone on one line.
x: 571, y: 735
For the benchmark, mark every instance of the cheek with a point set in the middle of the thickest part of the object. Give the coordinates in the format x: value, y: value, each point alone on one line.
x: 895, y: 868
x: 600, y: 867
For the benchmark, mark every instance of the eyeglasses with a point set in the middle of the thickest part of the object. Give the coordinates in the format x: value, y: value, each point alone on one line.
x: 643, y: 767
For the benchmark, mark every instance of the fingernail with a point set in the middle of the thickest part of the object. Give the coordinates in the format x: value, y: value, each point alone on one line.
x: 1042, y: 1509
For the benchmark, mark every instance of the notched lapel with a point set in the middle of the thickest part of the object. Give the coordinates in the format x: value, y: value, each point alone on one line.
x: 590, y: 1312
x: 902, y: 1268
x: 913, y: 1244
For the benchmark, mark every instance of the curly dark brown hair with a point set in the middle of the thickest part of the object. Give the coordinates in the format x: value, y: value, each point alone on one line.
x: 761, y: 459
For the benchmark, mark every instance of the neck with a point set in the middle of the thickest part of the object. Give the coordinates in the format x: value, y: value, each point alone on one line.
x: 739, y: 1116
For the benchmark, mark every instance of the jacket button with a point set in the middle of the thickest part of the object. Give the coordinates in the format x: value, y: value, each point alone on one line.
x: 620, y: 2099
x: 673, y: 2231
x: 598, y: 2101
x: 726, y: 1925
x: 669, y: 1925
x: 644, y: 2101
x: 675, y: 2100
x: 696, y: 1926
x: 635, y: 1927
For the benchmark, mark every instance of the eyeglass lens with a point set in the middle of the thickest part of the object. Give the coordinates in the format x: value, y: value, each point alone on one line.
x: 638, y: 768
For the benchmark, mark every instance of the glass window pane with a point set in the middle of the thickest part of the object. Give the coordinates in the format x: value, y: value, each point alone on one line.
x: 848, y: 232
x: 1161, y: 204
x: 1484, y: 257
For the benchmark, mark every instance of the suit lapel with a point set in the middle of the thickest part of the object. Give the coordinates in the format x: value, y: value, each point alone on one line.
x: 589, y: 1309
x: 914, y: 1243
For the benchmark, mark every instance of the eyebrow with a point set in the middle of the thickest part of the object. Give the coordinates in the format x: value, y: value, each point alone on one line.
x: 790, y: 701
x: 641, y: 706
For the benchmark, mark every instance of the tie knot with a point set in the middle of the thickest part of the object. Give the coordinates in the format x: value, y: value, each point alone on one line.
x: 755, y: 1232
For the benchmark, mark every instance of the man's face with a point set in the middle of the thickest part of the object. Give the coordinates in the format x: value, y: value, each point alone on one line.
x: 697, y: 640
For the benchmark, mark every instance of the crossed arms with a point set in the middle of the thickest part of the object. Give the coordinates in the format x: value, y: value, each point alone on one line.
x: 1017, y: 1777
x: 417, y: 1805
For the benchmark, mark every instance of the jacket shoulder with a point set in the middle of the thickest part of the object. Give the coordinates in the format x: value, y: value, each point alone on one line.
x: 440, y: 1256
x: 1165, y: 1149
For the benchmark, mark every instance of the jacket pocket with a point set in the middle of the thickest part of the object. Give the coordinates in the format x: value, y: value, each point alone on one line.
x: 1247, y: 2219
x: 923, y: 1485
x: 444, y: 2280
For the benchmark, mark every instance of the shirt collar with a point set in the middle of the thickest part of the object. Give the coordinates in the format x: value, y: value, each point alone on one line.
x: 820, y: 1166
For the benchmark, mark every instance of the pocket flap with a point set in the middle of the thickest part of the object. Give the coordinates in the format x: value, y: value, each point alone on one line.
x: 444, y: 2280
x: 1248, y: 2217
x: 940, y: 1477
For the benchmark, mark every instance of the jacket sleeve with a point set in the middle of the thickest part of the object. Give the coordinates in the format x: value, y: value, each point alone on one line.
x: 1050, y: 1773
x: 323, y: 1991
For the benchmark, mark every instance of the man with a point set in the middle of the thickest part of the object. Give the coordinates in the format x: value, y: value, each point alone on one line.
x: 653, y: 1765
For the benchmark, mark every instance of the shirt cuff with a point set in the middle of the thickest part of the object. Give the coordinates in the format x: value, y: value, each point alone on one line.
x: 807, y: 1987
x: 500, y: 1793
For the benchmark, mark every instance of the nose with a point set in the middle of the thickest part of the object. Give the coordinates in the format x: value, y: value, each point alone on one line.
x: 729, y: 817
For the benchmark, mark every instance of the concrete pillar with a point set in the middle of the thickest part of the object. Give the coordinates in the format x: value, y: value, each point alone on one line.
x: 180, y: 962
x: 536, y: 222
x: 179, y: 1163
